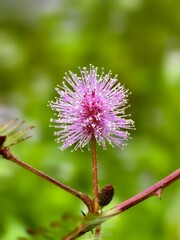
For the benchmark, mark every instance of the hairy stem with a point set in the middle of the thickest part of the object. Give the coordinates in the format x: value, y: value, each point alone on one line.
x: 95, y: 175
x: 9, y: 156
x: 95, y: 184
x: 95, y: 220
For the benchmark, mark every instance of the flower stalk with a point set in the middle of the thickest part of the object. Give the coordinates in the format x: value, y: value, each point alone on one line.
x: 95, y: 175
x: 95, y: 184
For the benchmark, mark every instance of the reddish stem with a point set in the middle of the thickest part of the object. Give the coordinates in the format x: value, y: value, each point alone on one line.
x: 95, y: 183
x: 9, y: 156
x: 155, y: 189
x: 97, y: 232
x: 95, y: 175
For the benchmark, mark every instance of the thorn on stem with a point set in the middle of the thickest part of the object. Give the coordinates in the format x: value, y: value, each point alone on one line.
x: 158, y: 193
x: 83, y: 213
x: 85, y: 217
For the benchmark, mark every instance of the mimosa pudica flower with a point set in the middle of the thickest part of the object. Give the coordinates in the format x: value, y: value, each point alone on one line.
x: 91, y: 106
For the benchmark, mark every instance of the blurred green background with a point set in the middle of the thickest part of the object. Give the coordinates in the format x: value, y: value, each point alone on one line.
x: 137, y: 39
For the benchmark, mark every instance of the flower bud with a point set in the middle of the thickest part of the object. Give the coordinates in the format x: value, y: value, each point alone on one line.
x: 105, y: 195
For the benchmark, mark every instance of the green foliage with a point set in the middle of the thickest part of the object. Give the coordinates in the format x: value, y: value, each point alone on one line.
x: 139, y: 40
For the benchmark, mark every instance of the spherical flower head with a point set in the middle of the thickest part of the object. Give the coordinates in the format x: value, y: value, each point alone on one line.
x: 91, y: 106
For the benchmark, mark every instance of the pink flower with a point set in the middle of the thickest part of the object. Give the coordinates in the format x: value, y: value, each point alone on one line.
x: 91, y: 106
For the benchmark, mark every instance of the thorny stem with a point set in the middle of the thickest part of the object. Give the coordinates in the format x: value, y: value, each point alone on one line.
x: 96, y: 220
x: 155, y: 189
x: 9, y: 156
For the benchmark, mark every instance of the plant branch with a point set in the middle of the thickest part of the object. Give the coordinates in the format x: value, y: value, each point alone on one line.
x: 155, y: 189
x: 9, y: 156
x: 93, y: 220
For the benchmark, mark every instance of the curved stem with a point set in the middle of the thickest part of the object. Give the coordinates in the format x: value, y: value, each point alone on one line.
x: 9, y: 156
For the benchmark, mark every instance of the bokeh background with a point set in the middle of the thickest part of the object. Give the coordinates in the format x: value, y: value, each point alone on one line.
x: 140, y: 41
